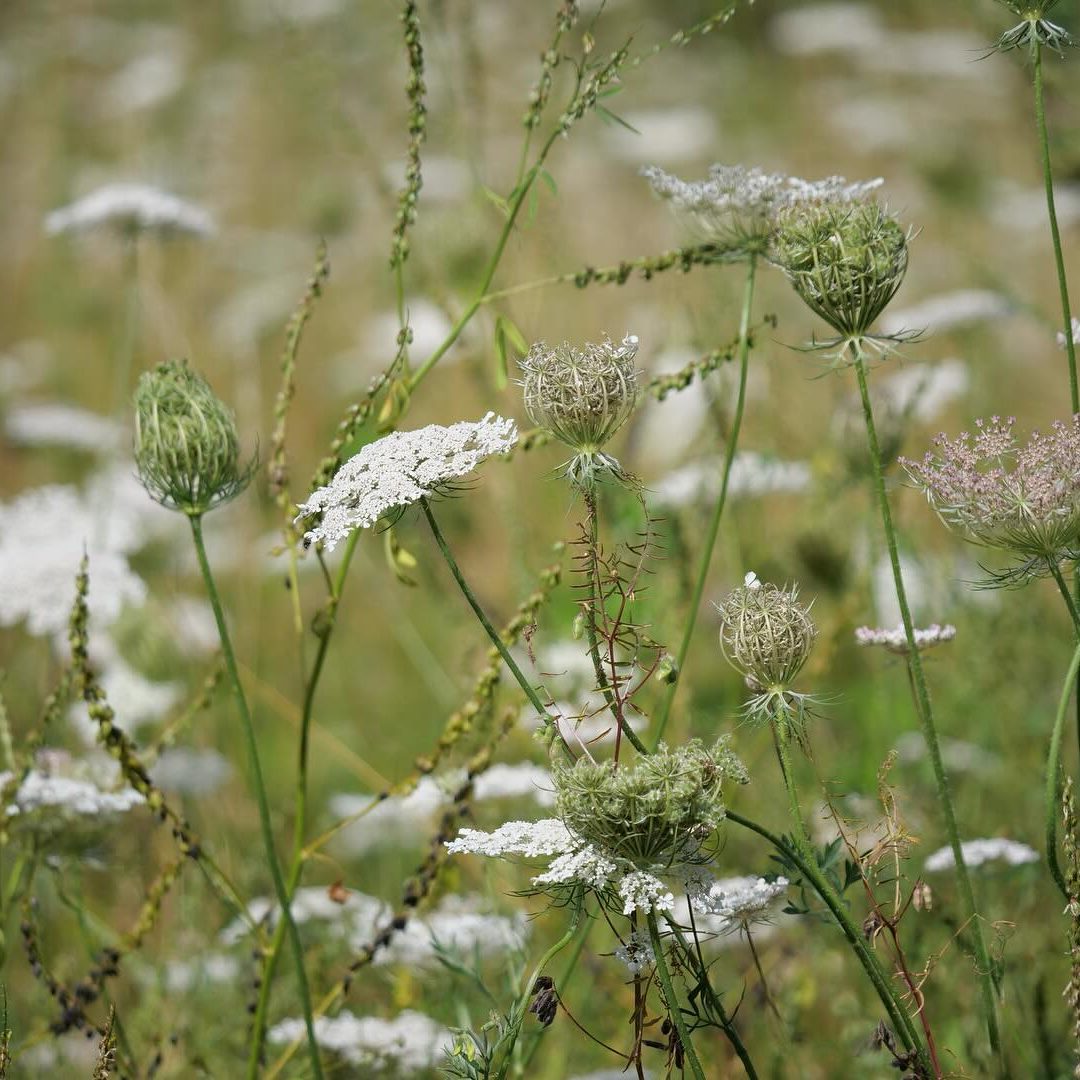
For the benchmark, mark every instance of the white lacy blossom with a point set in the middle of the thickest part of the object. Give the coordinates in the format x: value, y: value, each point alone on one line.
x: 399, y: 469
x: 750, y: 200
x: 642, y: 891
x: 895, y: 640
x: 40, y: 791
x: 56, y: 424
x: 739, y: 902
x: 530, y: 839
x: 408, y: 1043
x: 1075, y: 326
x: 587, y: 865
x: 752, y: 474
x: 637, y: 954
x: 131, y: 208
x: 977, y: 852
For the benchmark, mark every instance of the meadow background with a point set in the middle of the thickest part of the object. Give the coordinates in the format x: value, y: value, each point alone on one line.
x: 286, y: 121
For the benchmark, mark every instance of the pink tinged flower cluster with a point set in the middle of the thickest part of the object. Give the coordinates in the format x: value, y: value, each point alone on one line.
x: 1025, y: 499
x: 400, y: 469
x: 895, y: 639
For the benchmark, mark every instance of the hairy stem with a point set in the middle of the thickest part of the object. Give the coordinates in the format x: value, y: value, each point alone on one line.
x: 925, y: 713
x: 1053, y: 772
x: 263, y: 805
x: 664, y: 710
x: 672, y: 1002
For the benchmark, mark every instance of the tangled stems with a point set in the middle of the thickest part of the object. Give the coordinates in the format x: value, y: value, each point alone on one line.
x: 1051, y: 212
x: 263, y: 804
x: 674, y: 1009
x: 299, y: 856
x: 714, y: 525
x: 926, y: 715
x: 1053, y: 769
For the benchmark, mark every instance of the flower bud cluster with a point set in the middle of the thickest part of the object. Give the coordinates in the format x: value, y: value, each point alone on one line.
x: 655, y: 813
x: 186, y: 446
x: 845, y: 260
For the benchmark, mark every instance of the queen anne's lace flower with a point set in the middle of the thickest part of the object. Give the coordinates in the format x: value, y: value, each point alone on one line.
x: 588, y: 866
x: 641, y: 891
x: 399, y: 469
x: 895, y: 640
x: 739, y: 902
x: 742, y: 206
x: 131, y: 208
x: 977, y: 852
x: 637, y: 954
x: 530, y: 839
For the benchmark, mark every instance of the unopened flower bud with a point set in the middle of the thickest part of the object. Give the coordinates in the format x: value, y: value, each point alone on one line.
x: 845, y: 261
x: 186, y: 447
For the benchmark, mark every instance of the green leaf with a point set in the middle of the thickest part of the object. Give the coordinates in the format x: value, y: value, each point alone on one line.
x: 549, y: 180
x: 607, y: 114
x: 497, y: 201
x: 506, y: 335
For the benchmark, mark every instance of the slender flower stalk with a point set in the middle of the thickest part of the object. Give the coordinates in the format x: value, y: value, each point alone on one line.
x: 672, y: 1002
x: 262, y: 802
x: 925, y: 713
x: 664, y: 710
x: 1053, y: 775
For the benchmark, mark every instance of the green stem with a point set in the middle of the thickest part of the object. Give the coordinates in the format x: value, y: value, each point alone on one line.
x: 262, y: 801
x: 520, y: 1011
x: 1070, y: 602
x: 726, y: 1023
x: 714, y: 525
x: 802, y: 833
x: 1053, y: 772
x: 1051, y: 212
x: 478, y: 611
x: 835, y: 903
x: 270, y: 961
x: 926, y: 719
x: 672, y: 1002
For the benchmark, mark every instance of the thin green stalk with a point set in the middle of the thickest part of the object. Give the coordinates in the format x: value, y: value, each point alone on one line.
x: 726, y: 1023
x: 664, y: 710
x: 835, y: 903
x: 262, y: 802
x: 270, y: 961
x: 1070, y: 601
x: 674, y: 1008
x: 802, y: 833
x: 1051, y: 213
x: 559, y: 945
x: 478, y: 611
x: 926, y: 719
x: 1053, y: 772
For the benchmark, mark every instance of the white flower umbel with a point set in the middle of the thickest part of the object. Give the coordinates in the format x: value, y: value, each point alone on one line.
x: 131, y: 208
x: 409, y: 1043
x: 400, y: 469
x: 741, y: 207
x: 895, y: 640
x: 574, y: 862
x: 977, y: 852
x: 752, y: 475
x: 737, y: 903
x: 949, y: 311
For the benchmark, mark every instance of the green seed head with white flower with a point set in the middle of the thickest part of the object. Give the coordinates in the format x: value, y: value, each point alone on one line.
x: 582, y: 395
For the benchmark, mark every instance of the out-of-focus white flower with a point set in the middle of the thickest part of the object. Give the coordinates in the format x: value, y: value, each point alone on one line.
x: 135, y: 699
x: 1075, y: 334
x: 393, y: 821
x: 56, y: 424
x: 664, y: 433
x: 131, y: 208
x: 957, y: 754
x: 146, y: 81
x: 191, y: 621
x: 752, y: 475
x: 428, y: 322
x: 949, y: 311
x: 895, y: 640
x: 446, y: 180
x: 191, y: 772
x: 43, y: 535
x: 184, y: 975
x: 977, y: 852
x: 1024, y: 209
x: 637, y: 954
x: 925, y: 391
x: 78, y: 797
x: 831, y: 27
x: 506, y: 781
x: 400, y: 469
x: 586, y: 726
x: 671, y: 135
x: 409, y: 1043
